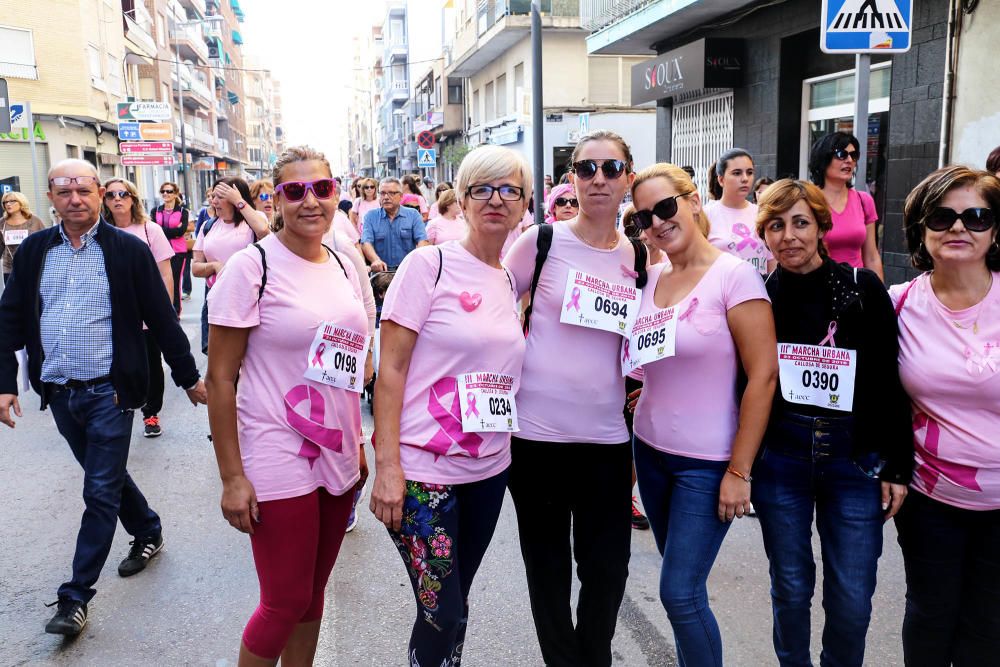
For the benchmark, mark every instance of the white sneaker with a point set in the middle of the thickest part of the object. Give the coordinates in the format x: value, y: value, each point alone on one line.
x: 361, y: 494
x: 352, y: 521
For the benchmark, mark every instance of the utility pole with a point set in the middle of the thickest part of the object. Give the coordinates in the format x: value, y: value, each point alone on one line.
x: 180, y: 105
x: 537, y: 122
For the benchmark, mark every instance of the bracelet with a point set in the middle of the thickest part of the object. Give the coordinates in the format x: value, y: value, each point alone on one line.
x: 733, y: 471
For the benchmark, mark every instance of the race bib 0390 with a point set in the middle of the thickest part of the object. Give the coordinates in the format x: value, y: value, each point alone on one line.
x: 487, y: 403
x: 595, y: 303
x: 337, y: 357
x: 817, y: 375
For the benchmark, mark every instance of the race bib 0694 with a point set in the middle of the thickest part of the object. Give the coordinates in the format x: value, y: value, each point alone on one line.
x: 595, y: 303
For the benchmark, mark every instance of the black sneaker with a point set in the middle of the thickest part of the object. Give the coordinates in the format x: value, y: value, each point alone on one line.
x: 139, y: 555
x: 152, y: 429
x: 639, y: 520
x: 69, y: 619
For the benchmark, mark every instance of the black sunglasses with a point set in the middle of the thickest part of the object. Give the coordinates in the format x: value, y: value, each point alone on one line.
x: 564, y: 201
x: 167, y: 192
x: 587, y: 169
x: 663, y: 209
x: 974, y: 219
x: 843, y: 154
x: 117, y: 194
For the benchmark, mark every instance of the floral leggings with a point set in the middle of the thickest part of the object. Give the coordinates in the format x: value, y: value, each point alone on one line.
x: 446, y: 530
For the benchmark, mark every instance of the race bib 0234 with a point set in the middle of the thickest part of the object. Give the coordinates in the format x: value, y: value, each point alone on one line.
x: 487, y: 403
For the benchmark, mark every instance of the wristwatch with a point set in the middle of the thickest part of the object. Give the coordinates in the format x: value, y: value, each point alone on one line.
x: 241, y: 205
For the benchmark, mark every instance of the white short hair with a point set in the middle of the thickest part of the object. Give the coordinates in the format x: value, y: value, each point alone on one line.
x: 489, y: 163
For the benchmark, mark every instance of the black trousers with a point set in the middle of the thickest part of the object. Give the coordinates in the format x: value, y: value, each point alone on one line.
x: 154, y: 395
x: 177, y: 268
x: 586, y: 487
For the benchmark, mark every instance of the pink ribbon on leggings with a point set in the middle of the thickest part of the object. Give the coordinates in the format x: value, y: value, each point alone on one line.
x: 574, y: 299
x: 830, y: 330
x: 314, y: 432
x: 318, y: 357
x: 470, y: 398
x: 449, y: 419
x: 743, y: 232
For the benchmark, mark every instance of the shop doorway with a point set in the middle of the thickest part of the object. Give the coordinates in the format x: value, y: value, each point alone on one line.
x: 700, y: 131
x: 561, y: 156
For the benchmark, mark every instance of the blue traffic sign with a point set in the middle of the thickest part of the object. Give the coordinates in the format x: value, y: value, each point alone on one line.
x: 426, y: 157
x: 129, y: 131
x: 866, y: 26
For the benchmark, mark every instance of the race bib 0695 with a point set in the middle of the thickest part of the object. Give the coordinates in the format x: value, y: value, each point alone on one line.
x: 654, y: 337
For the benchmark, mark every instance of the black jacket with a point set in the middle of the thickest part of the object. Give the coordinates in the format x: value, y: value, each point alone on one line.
x: 866, y: 322
x: 137, y: 296
x: 172, y: 232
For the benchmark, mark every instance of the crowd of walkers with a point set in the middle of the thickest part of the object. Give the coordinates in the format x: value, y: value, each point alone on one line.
x: 736, y: 355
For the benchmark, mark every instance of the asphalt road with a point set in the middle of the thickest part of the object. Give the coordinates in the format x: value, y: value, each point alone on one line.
x: 190, y: 605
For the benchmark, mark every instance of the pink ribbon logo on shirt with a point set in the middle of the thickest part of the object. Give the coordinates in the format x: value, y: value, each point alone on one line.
x: 689, y: 311
x: 574, y: 299
x: 931, y: 468
x: 470, y: 398
x: 830, y: 330
x: 314, y: 432
x: 449, y: 419
x: 627, y: 272
x: 625, y: 355
x: 743, y: 232
x: 318, y: 357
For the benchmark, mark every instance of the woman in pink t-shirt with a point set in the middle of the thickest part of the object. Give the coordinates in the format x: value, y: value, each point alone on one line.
x: 832, y: 162
x: 287, y: 322
x: 441, y: 188
x: 368, y: 201
x: 572, y: 460
x: 450, y: 225
x: 412, y: 186
x: 732, y: 219
x: 695, y: 437
x: 123, y: 208
x: 949, y: 362
x: 450, y: 366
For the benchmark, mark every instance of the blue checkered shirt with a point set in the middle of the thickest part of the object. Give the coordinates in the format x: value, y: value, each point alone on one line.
x: 76, y: 311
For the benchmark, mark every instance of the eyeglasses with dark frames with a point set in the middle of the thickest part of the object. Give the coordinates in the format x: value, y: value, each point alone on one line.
x: 484, y: 192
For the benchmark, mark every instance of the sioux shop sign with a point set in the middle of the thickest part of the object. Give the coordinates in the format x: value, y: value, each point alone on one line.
x: 706, y: 63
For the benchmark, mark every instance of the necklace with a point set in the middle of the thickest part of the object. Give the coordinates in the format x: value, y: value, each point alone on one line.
x: 601, y: 246
x: 979, y: 309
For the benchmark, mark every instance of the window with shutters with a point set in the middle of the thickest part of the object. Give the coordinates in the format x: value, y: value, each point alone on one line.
x: 490, y: 101
x: 502, y: 109
x: 602, y: 80
x: 94, y: 62
x: 475, y: 108
x: 114, y: 75
x: 17, y: 54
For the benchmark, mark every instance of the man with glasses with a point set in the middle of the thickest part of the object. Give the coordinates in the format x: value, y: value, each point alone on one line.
x: 77, y: 299
x: 391, y: 232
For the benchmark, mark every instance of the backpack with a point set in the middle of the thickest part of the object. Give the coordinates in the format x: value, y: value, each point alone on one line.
x: 263, y: 262
x: 544, y: 243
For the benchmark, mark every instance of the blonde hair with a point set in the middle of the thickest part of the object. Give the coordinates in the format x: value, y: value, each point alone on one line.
x: 447, y: 198
x: 605, y: 135
x: 259, y: 186
x: 489, y: 163
x: 139, y: 216
x: 782, y: 195
x: 20, y: 199
x: 681, y: 182
x: 288, y: 156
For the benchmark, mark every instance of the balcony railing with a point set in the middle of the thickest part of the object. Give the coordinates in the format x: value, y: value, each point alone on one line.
x: 597, y: 14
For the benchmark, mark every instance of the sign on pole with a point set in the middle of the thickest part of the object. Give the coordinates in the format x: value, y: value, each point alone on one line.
x: 426, y: 157
x: 426, y: 139
x: 584, y: 123
x: 136, y: 131
x: 4, y: 108
x: 146, y: 147
x: 144, y: 111
x: 147, y: 160
x: 866, y: 26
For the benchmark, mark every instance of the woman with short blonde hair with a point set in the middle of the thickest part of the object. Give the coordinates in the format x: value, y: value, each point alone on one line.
x: 16, y: 223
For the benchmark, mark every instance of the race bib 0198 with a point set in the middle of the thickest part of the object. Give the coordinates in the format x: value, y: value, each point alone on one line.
x: 595, y: 303
x: 337, y: 357
x: 817, y: 375
x: 487, y: 403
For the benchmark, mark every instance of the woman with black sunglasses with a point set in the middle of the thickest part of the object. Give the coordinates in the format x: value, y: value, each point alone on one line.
x: 570, y: 409
x: 832, y: 162
x: 562, y: 204
x: 174, y: 218
x: 368, y: 201
x: 949, y: 363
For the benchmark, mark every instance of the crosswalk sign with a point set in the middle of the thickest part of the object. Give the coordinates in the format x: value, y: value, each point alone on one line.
x: 866, y: 26
x: 426, y: 157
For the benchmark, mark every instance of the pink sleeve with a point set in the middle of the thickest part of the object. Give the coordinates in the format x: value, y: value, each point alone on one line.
x: 199, y: 240
x: 158, y: 242
x: 520, y: 259
x: 408, y: 300
x: 423, y: 204
x: 868, y: 206
x: 742, y: 283
x: 233, y: 300
x: 432, y: 231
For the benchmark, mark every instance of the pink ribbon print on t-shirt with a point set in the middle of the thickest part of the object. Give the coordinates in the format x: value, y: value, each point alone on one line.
x: 574, y: 299
x: 931, y: 468
x: 742, y: 231
x: 449, y: 419
x: 314, y: 432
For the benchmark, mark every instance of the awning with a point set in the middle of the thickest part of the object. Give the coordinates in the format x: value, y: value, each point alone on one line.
x: 229, y: 61
x: 219, y: 82
x: 237, y: 38
x: 233, y: 97
x: 132, y: 58
x: 237, y: 10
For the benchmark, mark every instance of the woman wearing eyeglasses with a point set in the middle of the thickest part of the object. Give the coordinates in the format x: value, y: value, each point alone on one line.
x: 368, y: 201
x: 450, y: 365
x: 16, y: 223
x: 174, y: 218
x: 450, y: 225
x: 262, y: 194
x: 236, y: 225
x: 733, y: 219
x: 570, y: 409
x: 949, y: 362
x: 562, y: 204
x: 123, y: 208
x: 839, y: 444
x: 703, y: 316
x: 286, y: 438
x: 832, y: 162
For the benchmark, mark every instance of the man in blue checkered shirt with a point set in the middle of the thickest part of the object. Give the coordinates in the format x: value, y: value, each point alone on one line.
x: 77, y: 299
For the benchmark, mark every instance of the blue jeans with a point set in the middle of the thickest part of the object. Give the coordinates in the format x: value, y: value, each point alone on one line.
x: 681, y: 497
x: 98, y: 433
x: 806, y: 463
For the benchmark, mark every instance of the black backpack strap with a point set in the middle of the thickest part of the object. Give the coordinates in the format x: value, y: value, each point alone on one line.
x: 440, y: 265
x: 336, y: 257
x: 542, y: 246
x: 207, y: 226
x: 263, y: 277
x: 641, y: 257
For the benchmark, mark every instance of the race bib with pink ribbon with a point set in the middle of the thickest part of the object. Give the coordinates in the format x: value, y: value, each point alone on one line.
x: 337, y: 357
x: 487, y: 403
x: 817, y: 375
x: 653, y: 337
x: 595, y: 303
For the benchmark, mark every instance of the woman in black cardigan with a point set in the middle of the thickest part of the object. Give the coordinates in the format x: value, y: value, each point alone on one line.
x: 839, y: 442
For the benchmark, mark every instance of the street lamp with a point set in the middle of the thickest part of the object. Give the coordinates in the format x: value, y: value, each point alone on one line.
x: 218, y: 20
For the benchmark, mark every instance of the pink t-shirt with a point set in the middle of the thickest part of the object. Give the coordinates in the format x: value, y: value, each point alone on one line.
x: 440, y: 230
x: 225, y: 240
x: 688, y: 403
x: 152, y: 235
x: 850, y: 227
x: 452, y: 341
x: 342, y: 224
x: 572, y: 388
x: 172, y: 219
x: 361, y: 207
x: 734, y: 231
x: 949, y: 363
x: 296, y: 435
